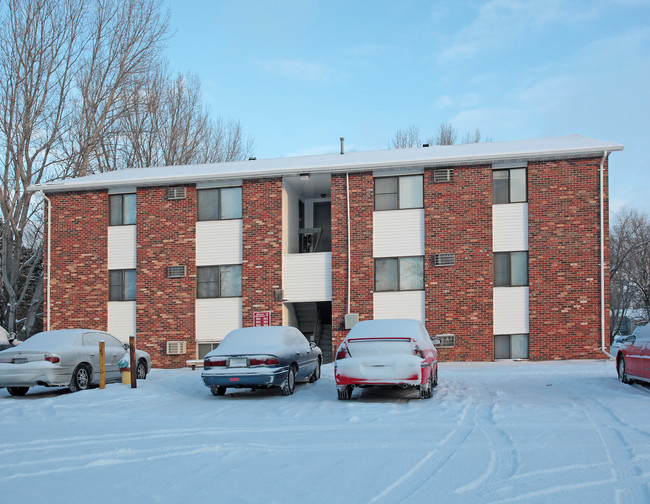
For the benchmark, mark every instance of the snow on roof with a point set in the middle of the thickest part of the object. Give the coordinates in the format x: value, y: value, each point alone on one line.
x: 441, y: 155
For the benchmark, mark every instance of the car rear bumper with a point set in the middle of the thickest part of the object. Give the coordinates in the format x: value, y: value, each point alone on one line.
x: 365, y: 371
x: 34, y: 373
x: 245, y: 378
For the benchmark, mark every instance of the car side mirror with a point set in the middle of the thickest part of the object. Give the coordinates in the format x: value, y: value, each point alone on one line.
x: 126, y: 346
x: 312, y: 344
x: 436, y: 341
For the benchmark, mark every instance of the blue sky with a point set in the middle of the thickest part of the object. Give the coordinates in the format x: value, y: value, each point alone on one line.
x: 301, y: 74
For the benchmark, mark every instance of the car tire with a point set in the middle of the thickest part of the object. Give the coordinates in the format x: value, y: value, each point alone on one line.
x: 426, y: 390
x: 435, y: 378
x: 141, y: 370
x: 316, y: 374
x: 17, y: 391
x: 290, y: 383
x: 344, y: 392
x: 218, y: 391
x: 80, y: 378
x: 622, y: 371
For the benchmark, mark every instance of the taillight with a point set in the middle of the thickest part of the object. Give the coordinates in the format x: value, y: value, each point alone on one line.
x: 342, y: 353
x: 263, y: 361
x: 213, y: 362
x: 52, y: 358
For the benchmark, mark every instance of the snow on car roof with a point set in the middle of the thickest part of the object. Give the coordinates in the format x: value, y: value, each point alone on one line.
x: 387, y: 328
x: 259, y: 339
x: 51, y: 339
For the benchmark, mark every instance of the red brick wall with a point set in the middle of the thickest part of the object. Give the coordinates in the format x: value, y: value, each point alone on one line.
x: 362, y: 264
x: 564, y: 245
x: 262, y: 248
x: 458, y: 219
x: 166, y: 236
x: 79, y: 283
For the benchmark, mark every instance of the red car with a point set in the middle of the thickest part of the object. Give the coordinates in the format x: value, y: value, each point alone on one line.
x: 387, y: 352
x: 633, y: 359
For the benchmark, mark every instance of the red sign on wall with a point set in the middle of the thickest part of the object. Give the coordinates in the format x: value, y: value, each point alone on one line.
x: 261, y: 318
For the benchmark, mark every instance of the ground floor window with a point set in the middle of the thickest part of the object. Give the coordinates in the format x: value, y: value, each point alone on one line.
x: 218, y: 281
x: 204, y: 348
x: 511, y: 346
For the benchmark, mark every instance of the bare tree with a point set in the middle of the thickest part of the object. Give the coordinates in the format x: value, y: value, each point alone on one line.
x: 64, y: 65
x: 447, y: 135
x: 629, y: 267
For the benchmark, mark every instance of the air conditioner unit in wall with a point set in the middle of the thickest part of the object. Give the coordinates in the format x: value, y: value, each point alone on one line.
x: 176, y: 347
x: 174, y: 193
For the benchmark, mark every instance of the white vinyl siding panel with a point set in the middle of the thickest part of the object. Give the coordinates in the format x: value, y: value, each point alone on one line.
x: 121, y: 247
x: 510, y: 227
x: 307, y: 277
x: 398, y: 233
x: 405, y: 304
x: 216, y: 317
x: 510, y: 310
x: 121, y: 319
x: 218, y: 242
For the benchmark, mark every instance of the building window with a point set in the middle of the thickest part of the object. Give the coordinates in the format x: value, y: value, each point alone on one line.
x: 121, y: 209
x: 509, y: 186
x: 510, y: 269
x: 511, y: 346
x: 399, y: 274
x: 204, y: 348
x: 218, y: 281
x: 219, y: 204
x: 399, y: 193
x: 121, y: 285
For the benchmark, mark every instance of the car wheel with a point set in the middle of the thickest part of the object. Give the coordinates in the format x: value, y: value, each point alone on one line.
x: 290, y: 383
x: 316, y: 374
x: 435, y: 378
x: 80, y: 378
x: 141, y: 370
x: 17, y: 391
x: 218, y: 391
x: 622, y: 371
x: 344, y: 392
x: 426, y: 390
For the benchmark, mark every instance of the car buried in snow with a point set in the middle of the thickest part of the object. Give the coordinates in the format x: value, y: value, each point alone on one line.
x: 391, y: 352
x: 64, y: 358
x: 261, y: 357
x: 633, y: 359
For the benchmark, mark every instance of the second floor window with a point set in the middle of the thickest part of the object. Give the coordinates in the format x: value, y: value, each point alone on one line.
x: 399, y: 193
x: 219, y: 204
x: 121, y: 285
x: 218, y: 281
x: 122, y: 209
x: 510, y: 269
x: 399, y: 273
x: 509, y: 186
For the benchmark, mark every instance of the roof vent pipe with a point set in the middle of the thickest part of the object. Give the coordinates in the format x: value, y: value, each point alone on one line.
x: 342, y: 140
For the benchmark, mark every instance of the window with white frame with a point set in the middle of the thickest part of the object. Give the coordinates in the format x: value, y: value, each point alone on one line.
x: 511, y: 346
x: 399, y: 274
x: 219, y: 203
x: 509, y: 186
x: 204, y: 347
x: 510, y: 269
x: 121, y: 285
x: 218, y: 281
x: 122, y: 209
x: 399, y: 193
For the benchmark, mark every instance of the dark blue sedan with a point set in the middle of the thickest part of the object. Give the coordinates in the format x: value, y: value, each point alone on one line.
x: 261, y: 357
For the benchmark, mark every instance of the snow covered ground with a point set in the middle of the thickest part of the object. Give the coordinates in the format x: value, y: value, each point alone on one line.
x: 493, y: 432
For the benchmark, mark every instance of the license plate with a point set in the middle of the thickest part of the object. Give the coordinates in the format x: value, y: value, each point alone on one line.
x: 237, y: 362
x: 19, y: 360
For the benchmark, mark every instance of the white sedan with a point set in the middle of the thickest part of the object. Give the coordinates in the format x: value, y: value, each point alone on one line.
x: 64, y: 358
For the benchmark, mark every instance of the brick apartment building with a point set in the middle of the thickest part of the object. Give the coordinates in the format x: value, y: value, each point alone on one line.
x: 501, y: 247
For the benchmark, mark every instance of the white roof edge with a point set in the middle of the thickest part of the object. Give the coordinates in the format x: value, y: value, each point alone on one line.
x: 483, y: 153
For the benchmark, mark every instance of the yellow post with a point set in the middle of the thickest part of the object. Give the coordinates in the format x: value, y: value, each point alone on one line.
x: 102, y: 364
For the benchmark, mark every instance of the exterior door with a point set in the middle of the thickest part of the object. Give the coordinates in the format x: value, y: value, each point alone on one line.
x: 323, y: 220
